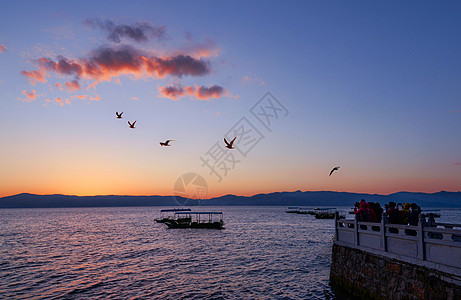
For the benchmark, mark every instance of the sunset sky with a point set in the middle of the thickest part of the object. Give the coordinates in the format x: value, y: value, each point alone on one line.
x: 371, y: 86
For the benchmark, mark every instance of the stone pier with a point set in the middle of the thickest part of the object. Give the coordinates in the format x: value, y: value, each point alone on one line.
x: 407, y: 262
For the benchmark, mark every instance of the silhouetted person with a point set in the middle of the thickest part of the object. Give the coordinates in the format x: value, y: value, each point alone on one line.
x: 394, y: 214
x: 363, y: 214
x: 378, y: 211
x: 413, y: 217
x: 405, y: 213
x: 373, y: 214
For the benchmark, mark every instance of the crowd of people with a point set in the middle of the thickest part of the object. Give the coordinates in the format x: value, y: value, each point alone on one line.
x: 406, y: 214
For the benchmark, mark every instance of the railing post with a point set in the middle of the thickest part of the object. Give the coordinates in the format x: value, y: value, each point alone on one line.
x: 336, y: 225
x: 356, y: 232
x: 383, y: 231
x: 421, y: 246
x: 431, y: 220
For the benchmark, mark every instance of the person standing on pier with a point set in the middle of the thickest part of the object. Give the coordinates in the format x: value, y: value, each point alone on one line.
x: 394, y: 214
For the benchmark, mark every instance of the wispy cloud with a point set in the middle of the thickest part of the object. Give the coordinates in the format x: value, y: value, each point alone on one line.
x: 35, y: 76
x: 59, y: 101
x: 138, y: 32
x: 72, y: 85
x: 455, y: 111
x: 87, y: 97
x: 457, y: 164
x: 253, y: 79
x: 200, y: 92
x: 205, y: 48
x: 2, y: 48
x: 30, y: 96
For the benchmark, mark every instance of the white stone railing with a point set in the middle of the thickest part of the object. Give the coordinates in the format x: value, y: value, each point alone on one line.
x: 436, y: 244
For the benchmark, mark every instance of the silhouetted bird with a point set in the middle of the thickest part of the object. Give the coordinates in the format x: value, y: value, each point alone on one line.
x: 229, y: 145
x: 167, y: 143
x: 334, y: 169
x: 132, y: 125
x: 119, y: 115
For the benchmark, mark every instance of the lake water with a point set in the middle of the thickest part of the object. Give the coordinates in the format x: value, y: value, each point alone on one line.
x: 122, y: 253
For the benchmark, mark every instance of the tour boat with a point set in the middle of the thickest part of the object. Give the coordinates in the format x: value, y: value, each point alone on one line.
x: 188, y: 219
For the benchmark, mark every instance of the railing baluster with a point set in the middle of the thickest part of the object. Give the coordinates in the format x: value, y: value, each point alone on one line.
x: 336, y: 225
x: 383, y: 231
x: 356, y: 231
x: 421, y: 246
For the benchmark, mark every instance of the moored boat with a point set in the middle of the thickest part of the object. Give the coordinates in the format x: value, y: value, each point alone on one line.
x: 212, y: 220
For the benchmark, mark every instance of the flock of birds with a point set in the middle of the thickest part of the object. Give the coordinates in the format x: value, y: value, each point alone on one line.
x: 229, y: 145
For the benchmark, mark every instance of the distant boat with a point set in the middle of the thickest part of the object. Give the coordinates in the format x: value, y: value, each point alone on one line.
x: 319, y: 213
x: 211, y: 220
x: 292, y: 210
x: 325, y: 208
x: 166, y: 214
x: 325, y: 215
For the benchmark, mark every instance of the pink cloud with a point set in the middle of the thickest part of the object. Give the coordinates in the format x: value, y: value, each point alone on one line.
x: 134, y: 98
x: 205, y: 48
x: 87, y: 97
x: 92, y: 85
x: 107, y: 63
x: 457, y: 164
x: 172, y: 92
x: 35, y: 76
x: 59, y: 101
x: 205, y: 93
x: 256, y: 79
x: 72, y: 85
x: 81, y: 97
x: 30, y: 96
x: 2, y: 48
x: 200, y: 92
x: 59, y: 86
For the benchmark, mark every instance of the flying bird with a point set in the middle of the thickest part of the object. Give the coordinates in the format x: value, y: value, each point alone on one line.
x: 132, y: 125
x: 334, y: 169
x: 229, y: 145
x: 119, y: 115
x: 167, y: 143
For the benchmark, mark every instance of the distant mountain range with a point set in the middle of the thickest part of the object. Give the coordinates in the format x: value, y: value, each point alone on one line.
x: 298, y: 198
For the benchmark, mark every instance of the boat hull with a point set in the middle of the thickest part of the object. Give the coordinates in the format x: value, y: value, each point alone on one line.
x: 175, y: 224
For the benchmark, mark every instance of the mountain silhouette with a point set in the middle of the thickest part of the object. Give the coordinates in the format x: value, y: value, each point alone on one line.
x: 298, y: 198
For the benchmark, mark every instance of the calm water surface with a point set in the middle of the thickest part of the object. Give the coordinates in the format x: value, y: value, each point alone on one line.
x: 81, y: 253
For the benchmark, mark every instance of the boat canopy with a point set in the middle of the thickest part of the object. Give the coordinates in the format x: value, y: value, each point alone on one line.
x: 199, y: 213
x: 175, y: 209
